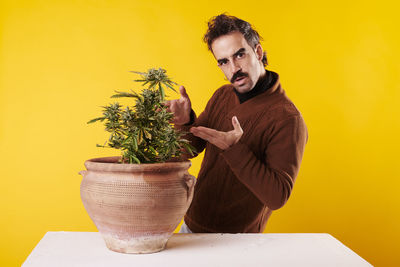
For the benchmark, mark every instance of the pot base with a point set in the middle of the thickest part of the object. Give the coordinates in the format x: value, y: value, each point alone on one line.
x: 136, y: 245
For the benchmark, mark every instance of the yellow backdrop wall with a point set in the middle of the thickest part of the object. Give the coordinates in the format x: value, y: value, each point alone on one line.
x: 338, y: 62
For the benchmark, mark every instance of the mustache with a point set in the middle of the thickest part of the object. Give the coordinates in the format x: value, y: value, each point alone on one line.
x: 238, y: 75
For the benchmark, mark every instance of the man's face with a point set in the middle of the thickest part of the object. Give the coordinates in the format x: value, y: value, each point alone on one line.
x: 240, y: 63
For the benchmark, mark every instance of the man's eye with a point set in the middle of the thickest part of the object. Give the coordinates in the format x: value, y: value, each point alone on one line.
x: 239, y: 55
x: 222, y: 63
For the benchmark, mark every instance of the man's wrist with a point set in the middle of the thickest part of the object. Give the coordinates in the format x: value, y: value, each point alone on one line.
x: 191, y: 120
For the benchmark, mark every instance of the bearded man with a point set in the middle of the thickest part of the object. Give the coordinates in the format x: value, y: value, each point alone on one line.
x: 252, y: 133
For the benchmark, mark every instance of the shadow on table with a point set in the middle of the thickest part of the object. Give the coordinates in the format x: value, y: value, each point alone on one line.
x: 178, y: 241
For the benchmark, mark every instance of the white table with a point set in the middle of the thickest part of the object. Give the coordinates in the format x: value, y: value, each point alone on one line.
x: 72, y: 249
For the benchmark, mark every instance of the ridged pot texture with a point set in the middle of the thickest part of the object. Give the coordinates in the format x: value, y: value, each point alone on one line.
x: 136, y: 207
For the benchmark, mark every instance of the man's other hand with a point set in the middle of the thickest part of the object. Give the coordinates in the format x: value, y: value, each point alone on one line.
x: 180, y: 107
x: 222, y: 140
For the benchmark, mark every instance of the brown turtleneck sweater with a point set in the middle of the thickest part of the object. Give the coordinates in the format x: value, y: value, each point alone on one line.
x: 237, y: 188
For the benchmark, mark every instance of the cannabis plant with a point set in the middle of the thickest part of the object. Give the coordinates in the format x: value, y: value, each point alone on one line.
x: 143, y: 132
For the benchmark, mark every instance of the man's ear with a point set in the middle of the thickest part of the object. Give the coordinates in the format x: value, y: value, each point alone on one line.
x: 259, y: 52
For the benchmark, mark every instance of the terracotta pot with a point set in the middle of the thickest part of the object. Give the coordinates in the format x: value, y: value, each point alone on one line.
x: 136, y: 207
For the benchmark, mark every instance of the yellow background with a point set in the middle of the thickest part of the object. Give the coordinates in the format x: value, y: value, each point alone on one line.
x: 338, y: 62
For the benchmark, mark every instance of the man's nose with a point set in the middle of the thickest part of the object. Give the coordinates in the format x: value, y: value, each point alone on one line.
x: 234, y: 66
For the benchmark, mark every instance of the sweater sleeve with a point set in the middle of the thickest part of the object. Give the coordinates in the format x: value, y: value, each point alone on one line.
x: 198, y: 143
x: 271, y: 180
x: 202, y: 120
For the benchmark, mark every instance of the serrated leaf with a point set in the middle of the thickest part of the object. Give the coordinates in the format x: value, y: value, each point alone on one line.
x: 124, y: 94
x: 188, y: 148
x: 152, y: 84
x: 143, y: 155
x: 135, y: 144
x: 147, y: 134
x: 171, y: 82
x: 169, y: 86
x: 136, y: 159
x: 137, y: 72
x: 140, y: 139
x: 96, y: 119
x: 153, y: 150
x: 161, y: 91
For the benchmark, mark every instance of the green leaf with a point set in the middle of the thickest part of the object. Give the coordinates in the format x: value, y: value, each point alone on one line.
x: 136, y: 159
x: 153, y: 150
x: 169, y: 86
x: 171, y: 82
x: 124, y: 94
x: 97, y: 119
x: 137, y: 72
x: 143, y: 155
x: 135, y: 144
x: 147, y: 134
x: 140, y: 139
x: 161, y: 91
x: 188, y: 148
x: 152, y: 84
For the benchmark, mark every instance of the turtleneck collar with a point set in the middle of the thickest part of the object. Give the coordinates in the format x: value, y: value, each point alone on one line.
x: 263, y: 84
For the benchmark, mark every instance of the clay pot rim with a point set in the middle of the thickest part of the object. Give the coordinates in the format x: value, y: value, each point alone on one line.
x: 110, y: 164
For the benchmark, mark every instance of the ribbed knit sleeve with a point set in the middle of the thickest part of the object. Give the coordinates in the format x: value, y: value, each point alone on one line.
x: 195, y: 141
x: 201, y: 120
x: 271, y: 180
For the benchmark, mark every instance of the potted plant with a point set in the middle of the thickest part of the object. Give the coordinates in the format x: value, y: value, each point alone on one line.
x: 138, y: 199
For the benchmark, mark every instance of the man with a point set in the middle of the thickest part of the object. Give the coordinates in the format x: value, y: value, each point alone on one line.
x: 253, y: 136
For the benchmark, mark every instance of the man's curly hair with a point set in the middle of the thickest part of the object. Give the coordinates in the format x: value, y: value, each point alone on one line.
x: 224, y: 24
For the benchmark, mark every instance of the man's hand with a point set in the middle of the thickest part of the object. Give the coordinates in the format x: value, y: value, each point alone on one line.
x: 180, y: 107
x: 223, y: 140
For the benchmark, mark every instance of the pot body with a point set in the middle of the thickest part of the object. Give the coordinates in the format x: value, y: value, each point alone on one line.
x: 136, y: 207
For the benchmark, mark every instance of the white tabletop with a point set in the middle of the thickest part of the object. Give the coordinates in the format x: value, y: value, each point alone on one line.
x: 73, y: 249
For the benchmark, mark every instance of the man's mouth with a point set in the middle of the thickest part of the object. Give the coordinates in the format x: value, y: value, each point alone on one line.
x: 238, y: 77
x: 240, y: 80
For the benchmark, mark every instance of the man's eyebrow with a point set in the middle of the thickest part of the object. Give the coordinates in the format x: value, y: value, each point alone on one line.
x: 241, y: 50
x: 222, y: 60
